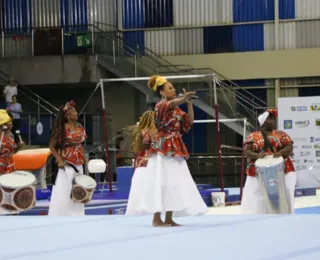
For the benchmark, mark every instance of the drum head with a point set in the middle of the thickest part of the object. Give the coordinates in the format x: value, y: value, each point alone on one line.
x: 268, y: 161
x: 17, y: 179
x: 97, y: 166
x: 85, y: 181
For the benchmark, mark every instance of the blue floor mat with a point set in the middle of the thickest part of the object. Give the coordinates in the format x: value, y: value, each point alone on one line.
x: 118, y: 237
x: 312, y: 210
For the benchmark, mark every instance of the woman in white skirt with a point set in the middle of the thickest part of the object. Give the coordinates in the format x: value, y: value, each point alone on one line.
x: 66, y: 146
x: 268, y: 141
x: 167, y: 185
x: 142, y: 134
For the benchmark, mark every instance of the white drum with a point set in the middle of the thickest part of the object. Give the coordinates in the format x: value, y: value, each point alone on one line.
x: 270, y: 171
x: 218, y: 199
x: 83, y: 188
x: 97, y: 166
x: 17, y: 191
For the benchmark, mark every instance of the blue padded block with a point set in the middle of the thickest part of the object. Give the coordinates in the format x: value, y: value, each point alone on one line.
x: 204, y: 186
x: 43, y: 194
x: 124, y: 176
x: 301, y: 192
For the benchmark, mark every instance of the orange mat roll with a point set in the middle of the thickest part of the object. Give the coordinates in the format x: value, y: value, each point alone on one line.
x: 31, y: 159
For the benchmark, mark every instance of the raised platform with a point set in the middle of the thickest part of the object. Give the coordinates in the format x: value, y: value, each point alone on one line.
x: 268, y: 237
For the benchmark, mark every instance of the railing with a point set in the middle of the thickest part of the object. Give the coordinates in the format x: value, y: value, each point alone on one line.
x: 204, y: 168
x: 146, y: 62
x: 139, y: 61
x: 35, y: 98
x: 247, y: 105
x: 92, y: 122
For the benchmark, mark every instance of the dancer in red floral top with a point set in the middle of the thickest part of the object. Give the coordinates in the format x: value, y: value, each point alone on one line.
x: 66, y: 147
x: 279, y: 144
x: 167, y: 185
x: 8, y: 145
x: 142, y: 134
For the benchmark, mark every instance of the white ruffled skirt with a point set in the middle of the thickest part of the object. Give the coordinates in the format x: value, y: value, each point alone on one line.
x: 253, y: 200
x: 165, y: 185
x: 61, y: 203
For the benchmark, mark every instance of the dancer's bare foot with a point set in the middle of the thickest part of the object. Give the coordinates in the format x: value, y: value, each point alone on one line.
x: 172, y: 223
x: 159, y: 223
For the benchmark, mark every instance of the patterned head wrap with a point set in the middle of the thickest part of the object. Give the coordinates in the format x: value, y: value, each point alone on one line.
x: 263, y: 117
x: 68, y: 107
x: 159, y: 82
x: 273, y: 112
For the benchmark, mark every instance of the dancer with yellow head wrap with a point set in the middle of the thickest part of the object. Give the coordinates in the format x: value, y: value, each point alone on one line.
x: 166, y: 186
x: 7, y: 144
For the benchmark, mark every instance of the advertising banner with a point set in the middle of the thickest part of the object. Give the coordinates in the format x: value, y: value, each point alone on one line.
x: 299, y: 117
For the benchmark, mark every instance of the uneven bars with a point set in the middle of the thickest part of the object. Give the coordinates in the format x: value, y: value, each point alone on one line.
x: 231, y: 147
x: 243, y: 158
x: 167, y: 77
x: 220, y: 120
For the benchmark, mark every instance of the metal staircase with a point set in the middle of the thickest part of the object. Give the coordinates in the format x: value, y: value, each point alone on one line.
x: 123, y: 60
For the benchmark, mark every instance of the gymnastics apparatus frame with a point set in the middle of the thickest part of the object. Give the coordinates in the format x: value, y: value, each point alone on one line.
x: 216, y: 121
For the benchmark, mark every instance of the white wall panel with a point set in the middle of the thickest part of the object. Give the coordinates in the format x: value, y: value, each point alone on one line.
x: 289, y: 92
x: 308, y: 80
x: 271, y: 97
x: 307, y: 9
x: 287, y: 36
x: 201, y: 12
x: 102, y: 11
x: 189, y: 41
x: 308, y: 35
x: 45, y: 13
x: 269, y: 43
x: 161, y: 42
x: 269, y: 82
x: 284, y: 92
x: 288, y: 82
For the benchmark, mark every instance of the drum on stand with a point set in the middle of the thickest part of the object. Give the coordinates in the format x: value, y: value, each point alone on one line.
x: 270, y: 172
x: 17, y: 191
x: 83, y: 188
x: 97, y: 167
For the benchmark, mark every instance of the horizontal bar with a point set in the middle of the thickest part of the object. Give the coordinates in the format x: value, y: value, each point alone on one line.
x: 220, y: 120
x: 231, y: 147
x: 167, y: 77
x: 215, y: 157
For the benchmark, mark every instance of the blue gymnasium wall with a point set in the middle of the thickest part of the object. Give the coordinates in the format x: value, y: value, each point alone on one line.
x: 199, y: 132
x: 74, y: 15
x: 259, y: 93
x: 216, y: 39
x: 309, y: 91
x: 17, y: 15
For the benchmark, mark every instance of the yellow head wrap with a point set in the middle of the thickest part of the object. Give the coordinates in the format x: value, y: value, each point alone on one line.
x: 4, y: 117
x: 159, y: 82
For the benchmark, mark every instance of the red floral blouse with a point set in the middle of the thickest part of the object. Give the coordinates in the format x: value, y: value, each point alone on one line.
x: 73, y: 151
x: 278, y: 140
x: 7, y: 149
x: 171, y: 123
x: 144, y: 154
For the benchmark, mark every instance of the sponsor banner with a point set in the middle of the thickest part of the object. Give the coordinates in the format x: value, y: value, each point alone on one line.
x: 299, y: 117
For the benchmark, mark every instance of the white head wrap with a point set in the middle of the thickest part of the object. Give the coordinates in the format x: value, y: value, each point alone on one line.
x: 263, y: 117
